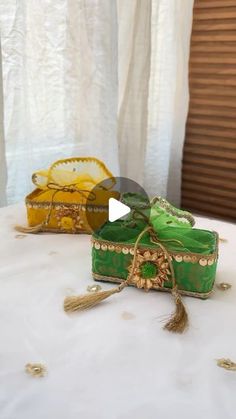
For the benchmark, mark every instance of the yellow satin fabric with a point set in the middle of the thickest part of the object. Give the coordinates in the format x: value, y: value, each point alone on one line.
x: 82, y: 172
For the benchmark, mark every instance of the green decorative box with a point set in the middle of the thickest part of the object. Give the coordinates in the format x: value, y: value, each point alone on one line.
x: 193, y: 253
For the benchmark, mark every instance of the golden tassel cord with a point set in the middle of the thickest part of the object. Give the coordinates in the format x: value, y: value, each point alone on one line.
x: 178, y: 321
x: 33, y: 230
x: 83, y: 302
x: 38, y: 228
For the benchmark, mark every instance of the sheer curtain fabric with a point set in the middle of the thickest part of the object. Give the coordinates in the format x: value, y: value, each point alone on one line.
x: 103, y: 78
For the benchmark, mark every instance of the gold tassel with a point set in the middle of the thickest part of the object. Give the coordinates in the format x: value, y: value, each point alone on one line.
x: 178, y: 322
x: 36, y: 229
x: 39, y: 227
x: 83, y: 302
x: 179, y: 319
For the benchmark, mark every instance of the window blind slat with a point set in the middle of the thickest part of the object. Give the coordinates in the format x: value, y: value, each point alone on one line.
x: 207, y: 4
x: 209, y: 161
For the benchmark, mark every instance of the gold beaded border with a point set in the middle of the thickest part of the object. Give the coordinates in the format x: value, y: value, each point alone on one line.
x: 206, y: 260
x: 202, y: 295
x: 62, y: 205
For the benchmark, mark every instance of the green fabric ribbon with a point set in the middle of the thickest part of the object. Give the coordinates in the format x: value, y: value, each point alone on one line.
x: 173, y: 227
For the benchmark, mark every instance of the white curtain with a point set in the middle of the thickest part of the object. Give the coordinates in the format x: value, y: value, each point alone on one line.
x: 3, y: 170
x: 106, y: 78
x: 168, y: 96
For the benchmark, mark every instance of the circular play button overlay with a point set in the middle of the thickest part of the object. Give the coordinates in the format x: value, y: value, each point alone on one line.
x: 115, y: 198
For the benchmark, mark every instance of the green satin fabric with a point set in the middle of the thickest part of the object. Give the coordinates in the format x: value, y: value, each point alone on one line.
x: 169, y: 223
x: 190, y: 277
x: 192, y: 240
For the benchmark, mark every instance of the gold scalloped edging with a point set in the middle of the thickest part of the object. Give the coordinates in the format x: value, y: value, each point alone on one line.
x: 177, y: 256
x: 83, y: 159
x: 116, y: 280
x: 47, y: 173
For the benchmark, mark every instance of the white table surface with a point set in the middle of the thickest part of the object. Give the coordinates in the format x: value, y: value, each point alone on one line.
x: 114, y: 361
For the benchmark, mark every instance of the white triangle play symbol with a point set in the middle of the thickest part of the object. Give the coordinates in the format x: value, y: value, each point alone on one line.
x: 117, y: 210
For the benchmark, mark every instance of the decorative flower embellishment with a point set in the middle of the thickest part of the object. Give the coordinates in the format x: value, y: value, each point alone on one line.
x: 67, y: 223
x: 152, y: 269
x: 69, y: 219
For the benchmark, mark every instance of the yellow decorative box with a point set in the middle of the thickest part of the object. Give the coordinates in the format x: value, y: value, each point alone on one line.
x: 64, y: 194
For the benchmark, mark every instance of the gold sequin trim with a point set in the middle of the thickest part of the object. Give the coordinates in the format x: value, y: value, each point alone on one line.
x: 178, y: 258
x: 63, y: 205
x: 207, y: 260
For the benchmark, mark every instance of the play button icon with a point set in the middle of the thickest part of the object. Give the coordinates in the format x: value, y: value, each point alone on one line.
x: 113, y: 199
x: 117, y: 210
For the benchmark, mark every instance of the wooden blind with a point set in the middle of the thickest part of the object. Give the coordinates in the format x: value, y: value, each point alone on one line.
x: 209, y: 163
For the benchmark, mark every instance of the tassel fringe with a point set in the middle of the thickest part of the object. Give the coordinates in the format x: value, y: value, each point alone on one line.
x: 178, y: 322
x: 33, y: 230
x: 84, y: 302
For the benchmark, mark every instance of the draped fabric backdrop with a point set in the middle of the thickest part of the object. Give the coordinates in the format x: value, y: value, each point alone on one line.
x: 107, y: 78
x: 3, y: 171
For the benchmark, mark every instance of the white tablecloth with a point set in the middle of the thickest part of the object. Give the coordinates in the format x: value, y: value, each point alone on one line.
x: 114, y: 361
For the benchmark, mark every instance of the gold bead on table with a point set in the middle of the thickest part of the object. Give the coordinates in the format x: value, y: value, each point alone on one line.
x: 226, y: 363
x: 36, y: 370
x: 224, y: 286
x: 94, y: 288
